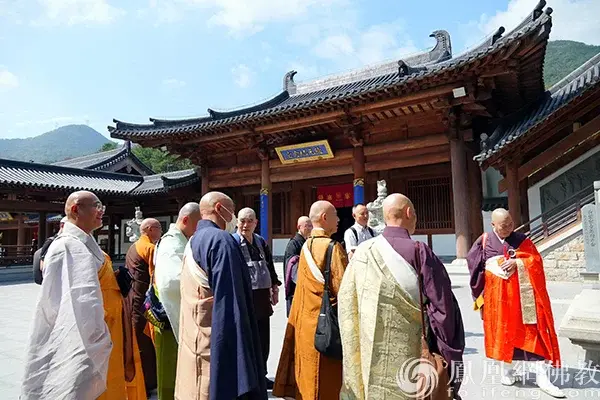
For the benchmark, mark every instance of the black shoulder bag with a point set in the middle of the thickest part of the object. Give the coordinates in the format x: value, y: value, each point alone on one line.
x: 327, y: 336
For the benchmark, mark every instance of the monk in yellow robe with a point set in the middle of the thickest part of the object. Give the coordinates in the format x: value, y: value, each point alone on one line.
x: 116, y: 385
x: 303, y: 372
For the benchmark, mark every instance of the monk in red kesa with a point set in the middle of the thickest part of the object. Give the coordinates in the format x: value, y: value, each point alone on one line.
x: 509, y: 287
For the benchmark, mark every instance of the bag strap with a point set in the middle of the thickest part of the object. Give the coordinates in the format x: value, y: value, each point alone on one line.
x: 327, y: 271
x: 420, y: 277
x: 355, y: 233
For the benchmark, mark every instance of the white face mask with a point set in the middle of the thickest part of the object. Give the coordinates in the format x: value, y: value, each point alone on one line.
x: 230, y: 226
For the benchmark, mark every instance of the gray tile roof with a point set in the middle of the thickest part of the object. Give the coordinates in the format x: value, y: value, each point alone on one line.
x: 335, y: 92
x: 104, y: 160
x: 67, y: 179
x: 53, y: 177
x: 162, y: 183
x: 570, y: 88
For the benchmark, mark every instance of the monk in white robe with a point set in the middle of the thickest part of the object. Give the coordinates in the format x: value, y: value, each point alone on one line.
x: 380, y: 311
x: 167, y: 272
x: 69, y: 345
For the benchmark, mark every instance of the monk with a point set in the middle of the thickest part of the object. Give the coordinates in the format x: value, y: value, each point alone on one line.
x: 167, y: 274
x: 69, y: 346
x: 219, y: 356
x: 293, y: 248
x: 116, y: 381
x: 380, y: 309
x: 139, y: 260
x: 509, y: 287
x: 303, y: 372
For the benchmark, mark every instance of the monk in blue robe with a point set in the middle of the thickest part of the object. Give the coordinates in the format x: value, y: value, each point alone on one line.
x: 220, y: 357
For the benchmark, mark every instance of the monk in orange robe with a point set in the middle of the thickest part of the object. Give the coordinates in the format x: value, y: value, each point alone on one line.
x: 509, y: 287
x: 303, y: 372
x: 116, y: 385
x: 140, y: 263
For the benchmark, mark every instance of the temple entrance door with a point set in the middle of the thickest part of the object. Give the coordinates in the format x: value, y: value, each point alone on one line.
x: 346, y: 221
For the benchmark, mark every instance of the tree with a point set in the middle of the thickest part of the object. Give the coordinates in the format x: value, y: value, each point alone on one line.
x: 108, y: 146
x: 160, y: 161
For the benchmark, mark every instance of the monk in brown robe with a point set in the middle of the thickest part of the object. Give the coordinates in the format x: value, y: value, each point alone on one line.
x: 509, y: 287
x: 303, y: 372
x: 139, y: 262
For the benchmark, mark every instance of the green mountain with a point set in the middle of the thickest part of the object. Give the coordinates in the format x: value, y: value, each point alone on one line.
x: 564, y: 56
x: 57, y: 145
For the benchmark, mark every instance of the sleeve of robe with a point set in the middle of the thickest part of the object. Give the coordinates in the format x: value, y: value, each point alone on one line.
x: 233, y: 352
x: 70, y: 343
x: 167, y: 281
x: 476, y: 265
x: 339, y: 261
x: 443, y: 310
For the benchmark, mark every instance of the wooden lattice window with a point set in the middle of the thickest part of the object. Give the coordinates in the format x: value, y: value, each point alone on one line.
x: 432, y: 199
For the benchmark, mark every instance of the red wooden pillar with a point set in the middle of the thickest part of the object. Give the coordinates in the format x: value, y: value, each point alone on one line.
x: 460, y: 194
x: 42, y: 229
x: 514, y: 196
x: 204, y: 179
x: 475, y: 198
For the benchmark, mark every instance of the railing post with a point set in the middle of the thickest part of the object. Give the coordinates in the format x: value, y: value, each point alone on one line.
x: 545, y: 229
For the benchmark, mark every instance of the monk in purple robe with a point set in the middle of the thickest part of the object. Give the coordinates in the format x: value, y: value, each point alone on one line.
x: 379, y: 298
x: 509, y: 288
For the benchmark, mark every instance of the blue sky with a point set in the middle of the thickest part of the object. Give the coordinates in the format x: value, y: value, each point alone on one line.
x: 88, y: 61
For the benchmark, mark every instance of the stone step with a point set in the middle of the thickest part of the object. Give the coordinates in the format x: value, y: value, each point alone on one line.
x: 16, y: 273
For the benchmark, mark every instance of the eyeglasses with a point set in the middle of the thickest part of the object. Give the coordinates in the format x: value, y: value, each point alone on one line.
x: 97, y: 205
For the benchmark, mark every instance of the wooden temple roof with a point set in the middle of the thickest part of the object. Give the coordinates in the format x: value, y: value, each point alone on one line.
x: 371, y: 84
x: 104, y: 160
x: 550, y: 107
x: 19, y: 174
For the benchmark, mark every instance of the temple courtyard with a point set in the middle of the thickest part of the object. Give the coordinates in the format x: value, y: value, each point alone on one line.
x: 481, y: 376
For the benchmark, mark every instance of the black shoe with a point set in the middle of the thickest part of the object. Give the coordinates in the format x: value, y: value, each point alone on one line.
x: 269, y: 384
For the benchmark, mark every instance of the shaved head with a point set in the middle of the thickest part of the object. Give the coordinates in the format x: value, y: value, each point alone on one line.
x: 151, y: 228
x: 323, y: 215
x: 216, y: 207
x: 502, y: 223
x: 188, y: 218
x: 189, y: 209
x: 246, y: 213
x: 304, y: 226
x: 399, y: 211
x: 84, y: 210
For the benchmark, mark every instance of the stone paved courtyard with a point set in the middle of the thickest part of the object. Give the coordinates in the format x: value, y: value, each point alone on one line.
x: 18, y: 301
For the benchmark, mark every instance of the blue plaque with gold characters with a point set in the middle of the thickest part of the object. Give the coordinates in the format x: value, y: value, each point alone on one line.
x: 304, y: 152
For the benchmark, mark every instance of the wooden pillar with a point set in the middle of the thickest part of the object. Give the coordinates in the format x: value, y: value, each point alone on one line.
x: 111, y: 235
x: 42, y: 229
x: 21, y: 231
x: 514, y: 196
x: 460, y: 194
x: 296, y: 206
x: 204, y: 179
x: 266, y: 225
x: 523, y: 187
x: 475, y: 199
x: 358, y: 167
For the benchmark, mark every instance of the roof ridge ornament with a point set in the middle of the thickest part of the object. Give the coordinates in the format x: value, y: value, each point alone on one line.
x: 498, y: 34
x: 288, y: 82
x: 538, y: 10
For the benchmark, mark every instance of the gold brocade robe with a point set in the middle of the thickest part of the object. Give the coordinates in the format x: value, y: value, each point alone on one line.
x: 380, y: 324
x: 113, y: 316
x: 117, y: 386
x: 303, y: 373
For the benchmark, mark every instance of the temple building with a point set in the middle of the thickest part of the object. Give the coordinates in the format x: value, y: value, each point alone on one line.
x: 414, y: 123
x: 31, y: 192
x: 459, y: 135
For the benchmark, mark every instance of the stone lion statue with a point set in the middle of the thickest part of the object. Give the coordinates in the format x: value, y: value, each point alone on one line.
x: 133, y: 226
x: 375, y: 208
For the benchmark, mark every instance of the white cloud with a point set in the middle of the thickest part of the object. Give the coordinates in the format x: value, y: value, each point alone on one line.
x: 334, y: 47
x: 571, y: 20
x: 242, y: 75
x: 172, y: 83
x: 8, y: 80
x: 73, y: 12
x: 238, y: 16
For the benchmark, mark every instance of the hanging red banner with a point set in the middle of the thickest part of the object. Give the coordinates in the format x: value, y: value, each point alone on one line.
x: 338, y: 195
